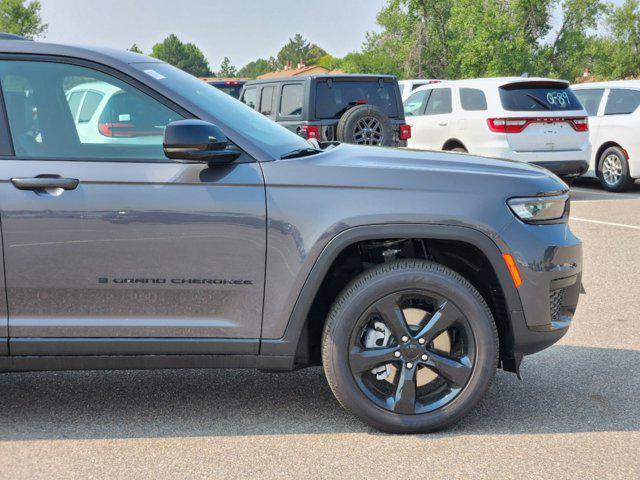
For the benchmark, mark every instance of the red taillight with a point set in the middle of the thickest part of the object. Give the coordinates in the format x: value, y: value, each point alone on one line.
x: 517, y: 125
x: 507, y: 125
x: 123, y: 130
x: 310, y: 131
x: 405, y: 132
x: 361, y: 102
x: 231, y: 83
x: 581, y: 124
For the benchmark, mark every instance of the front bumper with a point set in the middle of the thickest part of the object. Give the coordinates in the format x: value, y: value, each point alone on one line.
x: 549, y: 258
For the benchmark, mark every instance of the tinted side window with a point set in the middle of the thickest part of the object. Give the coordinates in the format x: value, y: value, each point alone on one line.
x: 89, y: 106
x: 249, y: 97
x: 439, y: 102
x: 414, y: 105
x: 39, y: 101
x: 291, y: 100
x: 622, y: 101
x: 266, y: 101
x: 590, y: 99
x: 473, y: 99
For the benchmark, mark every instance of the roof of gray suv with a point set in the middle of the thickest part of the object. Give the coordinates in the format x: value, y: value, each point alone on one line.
x: 96, y: 54
x: 342, y: 76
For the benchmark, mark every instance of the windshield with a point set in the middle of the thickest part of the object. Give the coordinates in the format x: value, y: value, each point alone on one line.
x: 532, y: 97
x: 265, y: 134
x: 334, y: 97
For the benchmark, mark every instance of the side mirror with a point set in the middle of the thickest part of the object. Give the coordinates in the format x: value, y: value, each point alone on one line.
x: 199, y: 141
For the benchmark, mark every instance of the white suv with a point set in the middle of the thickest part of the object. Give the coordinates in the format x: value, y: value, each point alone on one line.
x: 614, y: 120
x: 535, y: 120
x: 104, y: 113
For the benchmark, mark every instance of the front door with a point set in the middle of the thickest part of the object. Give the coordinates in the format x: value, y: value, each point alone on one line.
x: 109, y: 247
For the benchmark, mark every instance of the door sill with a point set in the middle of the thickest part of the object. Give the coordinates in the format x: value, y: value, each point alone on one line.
x: 133, y: 346
x: 143, y: 362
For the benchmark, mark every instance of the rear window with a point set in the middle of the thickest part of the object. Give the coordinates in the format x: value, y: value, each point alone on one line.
x: 333, y: 98
x: 621, y: 102
x: 526, y: 97
x: 473, y: 99
x: 590, y: 99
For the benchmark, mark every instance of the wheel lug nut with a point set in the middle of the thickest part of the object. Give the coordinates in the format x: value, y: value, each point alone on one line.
x: 409, y: 365
x: 422, y: 341
x: 405, y: 339
x: 425, y: 358
x: 396, y: 354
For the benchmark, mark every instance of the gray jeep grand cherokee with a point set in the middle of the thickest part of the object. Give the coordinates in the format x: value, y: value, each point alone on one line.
x: 151, y: 221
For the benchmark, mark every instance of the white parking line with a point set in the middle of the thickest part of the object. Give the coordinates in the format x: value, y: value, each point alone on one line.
x: 611, y: 224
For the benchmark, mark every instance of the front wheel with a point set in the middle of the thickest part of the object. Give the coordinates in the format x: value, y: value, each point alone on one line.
x: 613, y: 170
x: 410, y: 346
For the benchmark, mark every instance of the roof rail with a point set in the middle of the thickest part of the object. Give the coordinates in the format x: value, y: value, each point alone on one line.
x: 11, y: 36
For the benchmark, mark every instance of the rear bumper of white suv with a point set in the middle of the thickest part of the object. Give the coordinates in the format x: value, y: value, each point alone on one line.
x: 565, y: 163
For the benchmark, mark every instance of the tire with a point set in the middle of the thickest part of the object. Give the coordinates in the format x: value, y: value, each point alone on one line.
x: 406, y: 279
x: 613, y: 170
x: 459, y: 150
x: 365, y: 125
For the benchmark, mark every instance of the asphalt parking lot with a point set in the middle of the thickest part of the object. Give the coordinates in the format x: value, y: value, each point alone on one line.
x: 575, y: 415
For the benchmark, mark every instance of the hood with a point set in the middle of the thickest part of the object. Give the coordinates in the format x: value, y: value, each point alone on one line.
x: 396, y: 168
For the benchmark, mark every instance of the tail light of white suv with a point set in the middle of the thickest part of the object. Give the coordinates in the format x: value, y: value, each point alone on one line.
x: 518, y: 124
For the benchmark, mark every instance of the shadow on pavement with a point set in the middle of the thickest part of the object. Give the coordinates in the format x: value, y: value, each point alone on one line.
x: 566, y: 389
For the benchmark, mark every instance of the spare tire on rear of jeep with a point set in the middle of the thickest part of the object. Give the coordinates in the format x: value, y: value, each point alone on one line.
x: 365, y: 125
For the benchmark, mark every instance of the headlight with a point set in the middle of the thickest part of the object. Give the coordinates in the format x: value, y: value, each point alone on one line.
x: 541, y: 209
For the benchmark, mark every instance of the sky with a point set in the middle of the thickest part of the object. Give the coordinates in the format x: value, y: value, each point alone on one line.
x: 242, y: 30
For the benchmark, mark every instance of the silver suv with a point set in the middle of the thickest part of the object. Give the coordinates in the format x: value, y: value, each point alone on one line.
x: 214, y: 237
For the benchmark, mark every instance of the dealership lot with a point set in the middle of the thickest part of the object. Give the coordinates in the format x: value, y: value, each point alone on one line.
x: 576, y: 415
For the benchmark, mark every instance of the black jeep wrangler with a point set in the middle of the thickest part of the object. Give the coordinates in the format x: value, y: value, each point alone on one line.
x: 360, y: 109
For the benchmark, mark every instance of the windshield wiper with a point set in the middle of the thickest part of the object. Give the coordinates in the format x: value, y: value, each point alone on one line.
x: 538, y: 101
x: 301, y: 152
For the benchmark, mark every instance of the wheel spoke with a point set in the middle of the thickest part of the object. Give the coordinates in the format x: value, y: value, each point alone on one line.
x: 440, y: 321
x: 392, y: 316
x: 456, y: 372
x: 404, y: 400
x: 363, y: 359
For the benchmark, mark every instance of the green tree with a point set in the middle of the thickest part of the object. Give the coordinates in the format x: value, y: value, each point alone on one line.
x: 473, y: 38
x: 226, y: 69
x: 258, y: 67
x: 135, y: 49
x: 297, y: 49
x: 569, y: 52
x: 185, y: 56
x: 21, y: 19
x: 617, y: 54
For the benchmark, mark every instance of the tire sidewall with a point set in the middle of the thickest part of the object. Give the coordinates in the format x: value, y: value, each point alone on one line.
x: 346, y: 316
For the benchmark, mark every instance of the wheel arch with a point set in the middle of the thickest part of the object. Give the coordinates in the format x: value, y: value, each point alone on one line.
x: 296, y: 335
x: 453, y: 143
x: 601, y: 150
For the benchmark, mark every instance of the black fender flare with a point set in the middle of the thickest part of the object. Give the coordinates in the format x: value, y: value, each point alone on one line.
x: 287, y: 344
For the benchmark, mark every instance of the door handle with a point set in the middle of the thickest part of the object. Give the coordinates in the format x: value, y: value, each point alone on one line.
x: 44, y: 182
x: 443, y: 124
